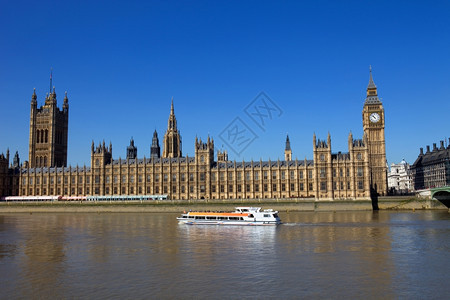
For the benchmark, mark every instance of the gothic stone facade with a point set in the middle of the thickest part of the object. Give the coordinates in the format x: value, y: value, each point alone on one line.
x: 329, y: 175
x: 48, y: 132
x: 9, y: 175
x: 334, y: 176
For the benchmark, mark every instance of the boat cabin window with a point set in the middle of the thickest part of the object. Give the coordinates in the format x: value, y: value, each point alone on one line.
x: 250, y: 216
x: 266, y: 216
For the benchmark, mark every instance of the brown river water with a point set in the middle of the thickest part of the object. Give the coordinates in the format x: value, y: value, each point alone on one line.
x: 313, y: 255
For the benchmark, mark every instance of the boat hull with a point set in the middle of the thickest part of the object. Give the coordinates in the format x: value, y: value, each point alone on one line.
x: 233, y: 223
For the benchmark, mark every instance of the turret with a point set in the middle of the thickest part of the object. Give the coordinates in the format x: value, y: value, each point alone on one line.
x: 131, y: 150
x: 155, y: 150
x: 314, y: 141
x: 350, y: 141
x: 66, y: 103
x: 100, y: 155
x: 329, y: 140
x: 34, y: 99
x: 16, y: 160
x: 222, y: 155
x: 204, y: 152
x: 287, y: 150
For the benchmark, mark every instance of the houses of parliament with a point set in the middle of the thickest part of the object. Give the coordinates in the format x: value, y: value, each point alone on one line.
x: 356, y: 174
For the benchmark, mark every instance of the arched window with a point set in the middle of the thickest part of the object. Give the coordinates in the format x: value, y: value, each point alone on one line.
x: 45, y: 161
x: 37, y: 161
x: 37, y: 136
x: 46, y: 135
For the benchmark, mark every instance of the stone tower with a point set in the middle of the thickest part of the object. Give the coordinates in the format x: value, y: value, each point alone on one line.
x: 16, y: 160
x: 204, y: 152
x: 172, y: 138
x: 48, y: 131
x: 100, y: 157
x: 322, y: 167
x: 155, y: 150
x: 222, y: 155
x: 373, y: 126
x: 287, y: 150
x: 131, y: 150
x: 204, y: 159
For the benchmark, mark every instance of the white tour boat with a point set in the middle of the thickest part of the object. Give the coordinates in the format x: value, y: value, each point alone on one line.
x: 241, y: 216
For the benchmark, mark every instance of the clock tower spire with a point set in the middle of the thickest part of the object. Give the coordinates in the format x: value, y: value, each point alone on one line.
x: 373, y: 126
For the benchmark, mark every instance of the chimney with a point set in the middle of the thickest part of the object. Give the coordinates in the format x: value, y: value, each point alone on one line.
x: 428, y: 148
x: 442, y: 146
x: 421, y: 151
x: 434, y: 147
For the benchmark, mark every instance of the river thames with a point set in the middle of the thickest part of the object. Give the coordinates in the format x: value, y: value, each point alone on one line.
x: 314, y: 255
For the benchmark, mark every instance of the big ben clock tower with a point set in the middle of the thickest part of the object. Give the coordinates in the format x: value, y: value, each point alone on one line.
x: 373, y: 126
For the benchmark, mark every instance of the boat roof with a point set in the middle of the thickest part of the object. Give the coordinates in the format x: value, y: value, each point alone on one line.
x: 221, y: 214
x: 248, y: 208
x: 240, y: 211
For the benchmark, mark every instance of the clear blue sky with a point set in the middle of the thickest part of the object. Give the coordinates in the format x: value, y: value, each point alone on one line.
x: 121, y: 62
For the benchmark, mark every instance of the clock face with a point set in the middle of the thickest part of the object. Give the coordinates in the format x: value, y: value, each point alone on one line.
x: 374, y: 118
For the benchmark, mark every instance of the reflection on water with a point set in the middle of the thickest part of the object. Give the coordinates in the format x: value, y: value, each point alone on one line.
x: 312, y: 255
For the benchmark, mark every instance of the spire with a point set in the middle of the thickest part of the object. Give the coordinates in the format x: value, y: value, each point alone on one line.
x: 66, y: 102
x: 371, y: 83
x: 287, y: 150
x: 172, y: 123
x: 172, y: 138
x: 51, y: 71
x: 288, y: 143
x: 372, y: 96
x: 34, y: 97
